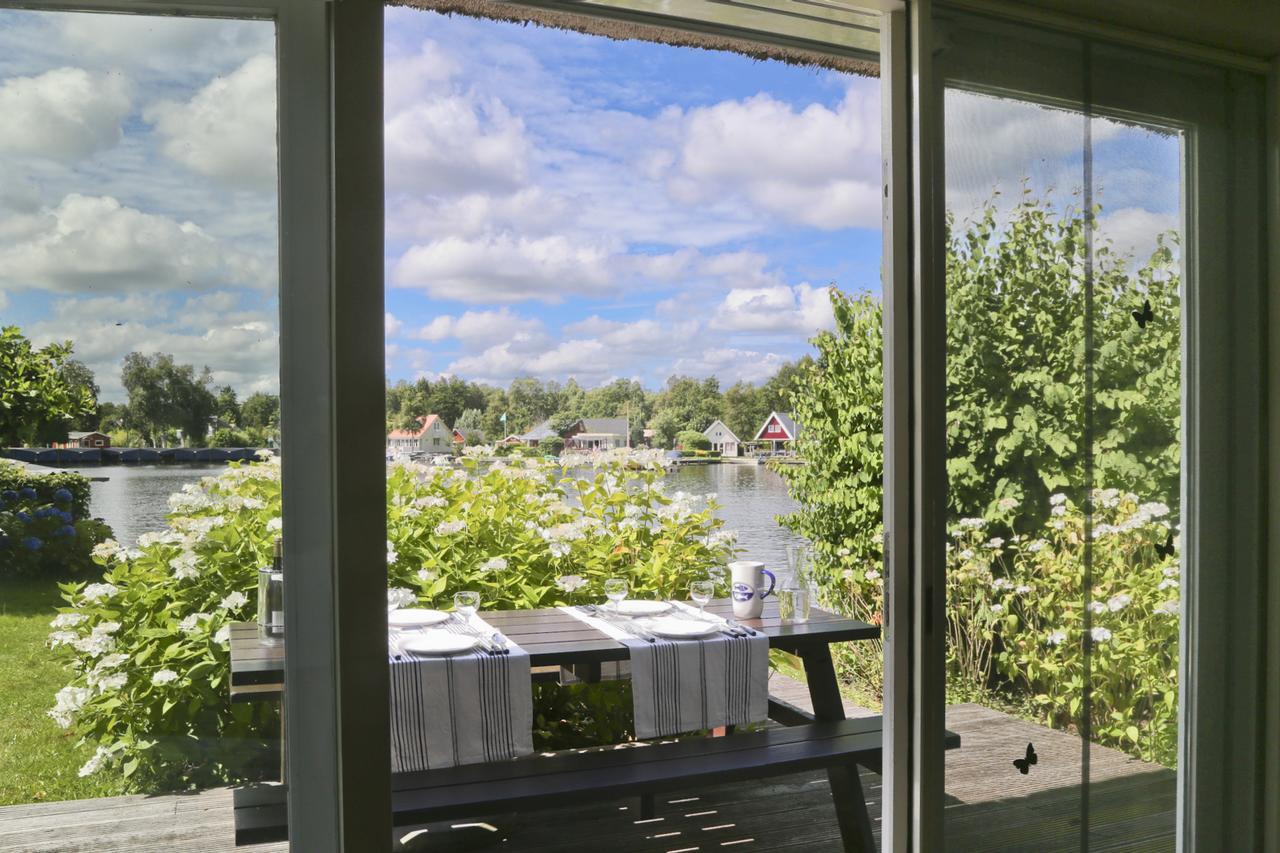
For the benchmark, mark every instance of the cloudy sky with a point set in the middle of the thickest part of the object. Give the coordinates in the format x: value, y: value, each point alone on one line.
x: 558, y: 205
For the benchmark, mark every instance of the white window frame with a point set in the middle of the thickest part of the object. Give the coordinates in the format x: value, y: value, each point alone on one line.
x: 329, y: 90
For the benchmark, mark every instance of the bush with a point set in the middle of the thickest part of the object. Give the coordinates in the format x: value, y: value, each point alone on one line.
x: 228, y: 438
x: 1015, y: 618
x: 149, y: 647
x: 551, y: 446
x: 691, y: 439
x: 43, y: 529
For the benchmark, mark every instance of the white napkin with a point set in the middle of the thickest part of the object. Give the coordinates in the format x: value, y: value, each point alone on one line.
x: 466, y: 708
x: 687, y: 685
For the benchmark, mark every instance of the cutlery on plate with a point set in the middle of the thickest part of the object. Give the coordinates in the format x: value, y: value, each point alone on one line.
x: 487, y: 645
x: 500, y: 643
x: 633, y: 628
x: 733, y: 623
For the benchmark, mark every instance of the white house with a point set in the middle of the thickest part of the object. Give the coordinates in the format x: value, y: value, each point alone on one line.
x: 722, y: 439
x: 432, y: 436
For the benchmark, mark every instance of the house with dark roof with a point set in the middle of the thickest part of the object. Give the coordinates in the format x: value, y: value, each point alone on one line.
x: 777, y: 433
x: 432, y: 436
x: 598, y: 434
x: 538, y: 434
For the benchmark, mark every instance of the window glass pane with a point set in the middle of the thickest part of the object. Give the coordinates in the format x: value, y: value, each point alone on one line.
x: 633, y: 332
x: 138, y: 300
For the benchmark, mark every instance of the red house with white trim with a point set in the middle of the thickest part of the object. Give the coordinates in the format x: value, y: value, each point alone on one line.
x: 778, y: 432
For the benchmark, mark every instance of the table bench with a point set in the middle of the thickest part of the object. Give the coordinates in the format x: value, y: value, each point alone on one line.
x: 821, y: 740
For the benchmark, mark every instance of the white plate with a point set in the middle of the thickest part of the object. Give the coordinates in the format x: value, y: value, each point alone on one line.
x: 640, y: 607
x: 678, y: 628
x: 415, y: 618
x: 438, y: 643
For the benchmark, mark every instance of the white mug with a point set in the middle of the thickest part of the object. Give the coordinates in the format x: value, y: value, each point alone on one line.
x: 748, y: 581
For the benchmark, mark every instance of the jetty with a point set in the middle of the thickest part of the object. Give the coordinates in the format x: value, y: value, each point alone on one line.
x: 78, y: 456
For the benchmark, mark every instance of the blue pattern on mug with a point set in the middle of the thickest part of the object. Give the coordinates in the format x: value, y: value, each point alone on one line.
x: 742, y: 592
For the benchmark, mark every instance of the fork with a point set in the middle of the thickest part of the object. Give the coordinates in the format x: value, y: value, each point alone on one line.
x: 489, y: 647
x: 632, y: 628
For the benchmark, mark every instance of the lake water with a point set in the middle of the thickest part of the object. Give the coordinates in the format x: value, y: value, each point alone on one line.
x: 134, y: 500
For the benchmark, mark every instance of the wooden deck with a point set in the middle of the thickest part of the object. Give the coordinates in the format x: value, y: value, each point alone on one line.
x: 990, y: 807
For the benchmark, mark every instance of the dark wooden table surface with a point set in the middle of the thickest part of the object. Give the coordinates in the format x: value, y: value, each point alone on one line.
x: 552, y: 638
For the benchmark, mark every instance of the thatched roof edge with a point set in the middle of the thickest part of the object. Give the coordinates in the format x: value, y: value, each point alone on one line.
x: 625, y: 30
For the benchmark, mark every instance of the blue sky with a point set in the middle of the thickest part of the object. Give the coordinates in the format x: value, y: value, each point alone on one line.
x: 557, y: 204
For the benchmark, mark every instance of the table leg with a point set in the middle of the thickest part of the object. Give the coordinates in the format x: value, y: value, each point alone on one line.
x: 846, y: 786
x: 646, y: 807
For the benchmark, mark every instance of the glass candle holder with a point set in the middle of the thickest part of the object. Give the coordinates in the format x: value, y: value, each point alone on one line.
x: 270, y: 603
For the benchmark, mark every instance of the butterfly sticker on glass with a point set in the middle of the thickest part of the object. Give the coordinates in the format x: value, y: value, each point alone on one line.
x: 1024, y: 764
x: 1166, y: 550
x: 1144, y: 316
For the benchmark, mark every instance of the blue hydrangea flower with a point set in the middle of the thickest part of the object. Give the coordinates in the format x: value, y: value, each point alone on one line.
x: 9, y: 495
x: 66, y: 517
x: 45, y: 512
x: 66, y: 531
x: 28, y: 493
x: 24, y: 517
x: 32, y: 543
x: 62, y: 496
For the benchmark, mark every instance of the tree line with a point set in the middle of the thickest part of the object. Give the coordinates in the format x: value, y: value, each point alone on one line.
x: 684, y: 403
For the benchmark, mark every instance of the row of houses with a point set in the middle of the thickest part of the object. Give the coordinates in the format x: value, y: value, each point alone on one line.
x: 433, y: 435
x: 582, y: 434
x: 775, y: 435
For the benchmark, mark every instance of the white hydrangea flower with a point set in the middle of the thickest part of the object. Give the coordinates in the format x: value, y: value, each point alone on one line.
x: 114, y: 681
x: 223, y: 636
x: 105, y: 629
x: 496, y: 564
x: 1154, y: 509
x: 234, y: 601
x: 95, y: 645
x: 1056, y: 638
x: 275, y: 524
x: 1057, y: 499
x: 448, y: 528
x: 1006, y: 504
x: 399, y: 596
x: 426, y: 575
x: 1058, y: 511
x: 1118, y: 602
x: 1170, y: 571
x: 570, y: 583
x: 997, y: 608
x: 67, y: 620
x: 67, y: 701
x: 98, y: 591
x: 1100, y: 635
x: 973, y: 523
x: 873, y: 575
x: 1169, y: 608
x: 1097, y: 606
x: 191, y: 623
x: 1002, y: 583
x: 966, y: 554
x: 995, y: 543
x: 62, y: 638
x: 184, y: 566
x: 96, y: 762
x: 106, y: 550
x: 1022, y: 589
x: 1167, y: 583
x: 164, y: 676
x: 1037, y: 545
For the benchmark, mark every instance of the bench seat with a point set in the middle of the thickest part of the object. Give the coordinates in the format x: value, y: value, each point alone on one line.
x: 578, y: 776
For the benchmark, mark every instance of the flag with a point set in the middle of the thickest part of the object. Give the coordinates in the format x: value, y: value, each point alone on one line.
x: 503, y: 418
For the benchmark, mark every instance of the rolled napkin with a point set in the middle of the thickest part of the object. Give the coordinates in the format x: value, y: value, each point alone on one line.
x: 690, y: 685
x: 465, y: 708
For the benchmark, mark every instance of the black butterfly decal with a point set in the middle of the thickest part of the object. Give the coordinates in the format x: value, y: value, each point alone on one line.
x: 1165, y: 550
x: 1144, y: 316
x: 1024, y: 764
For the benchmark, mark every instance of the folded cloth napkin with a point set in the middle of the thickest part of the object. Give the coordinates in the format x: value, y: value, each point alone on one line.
x: 687, y: 685
x: 465, y: 708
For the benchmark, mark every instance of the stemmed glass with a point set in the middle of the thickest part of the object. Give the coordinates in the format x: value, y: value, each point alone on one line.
x: 466, y: 603
x: 615, y: 589
x: 701, y: 592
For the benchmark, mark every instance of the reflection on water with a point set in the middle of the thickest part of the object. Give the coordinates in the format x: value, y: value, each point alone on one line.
x: 749, y: 497
x: 134, y: 500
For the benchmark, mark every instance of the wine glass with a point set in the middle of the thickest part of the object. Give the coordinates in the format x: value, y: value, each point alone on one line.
x: 615, y: 589
x: 466, y: 603
x: 701, y: 592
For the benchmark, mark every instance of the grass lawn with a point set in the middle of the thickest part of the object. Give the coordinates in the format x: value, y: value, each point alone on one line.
x: 38, y: 760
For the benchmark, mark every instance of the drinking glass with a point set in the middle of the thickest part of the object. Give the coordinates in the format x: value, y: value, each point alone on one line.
x: 701, y: 592
x: 615, y: 589
x: 793, y: 604
x: 466, y: 603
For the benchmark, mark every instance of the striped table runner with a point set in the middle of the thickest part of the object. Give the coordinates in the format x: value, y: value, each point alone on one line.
x: 467, y: 708
x: 682, y: 686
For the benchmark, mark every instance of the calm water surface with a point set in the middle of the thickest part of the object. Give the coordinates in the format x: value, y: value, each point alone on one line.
x: 134, y: 500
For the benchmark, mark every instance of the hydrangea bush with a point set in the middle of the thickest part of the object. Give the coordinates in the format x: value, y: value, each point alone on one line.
x: 43, y: 524
x: 149, y: 642
x: 1016, y: 617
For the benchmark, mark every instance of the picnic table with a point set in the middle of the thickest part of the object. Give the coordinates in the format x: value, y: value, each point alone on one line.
x: 564, y: 647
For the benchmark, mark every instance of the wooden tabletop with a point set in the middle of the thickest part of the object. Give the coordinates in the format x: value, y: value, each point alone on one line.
x: 551, y: 637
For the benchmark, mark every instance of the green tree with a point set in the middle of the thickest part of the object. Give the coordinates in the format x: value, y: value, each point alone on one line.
x: 228, y: 406
x: 165, y: 396
x: 34, y: 389
x: 691, y: 439
x: 692, y: 403
x: 1015, y: 375
x: 261, y: 411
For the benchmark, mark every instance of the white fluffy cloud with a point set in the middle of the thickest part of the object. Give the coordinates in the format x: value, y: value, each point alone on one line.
x: 801, y: 310
x: 731, y: 365
x: 480, y: 328
x: 97, y: 244
x: 455, y: 143
x: 227, y: 131
x: 166, y: 45
x: 816, y: 166
x: 64, y: 114
x: 391, y: 325
x: 503, y: 268
x: 1133, y: 231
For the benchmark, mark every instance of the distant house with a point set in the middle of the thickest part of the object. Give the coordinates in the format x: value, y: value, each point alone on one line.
x: 432, y: 436
x: 88, y: 439
x: 598, y: 434
x: 468, y: 436
x: 538, y: 434
x: 778, y: 432
x: 722, y: 439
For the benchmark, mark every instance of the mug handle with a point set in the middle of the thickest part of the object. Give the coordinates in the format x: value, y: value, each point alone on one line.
x: 772, y: 583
